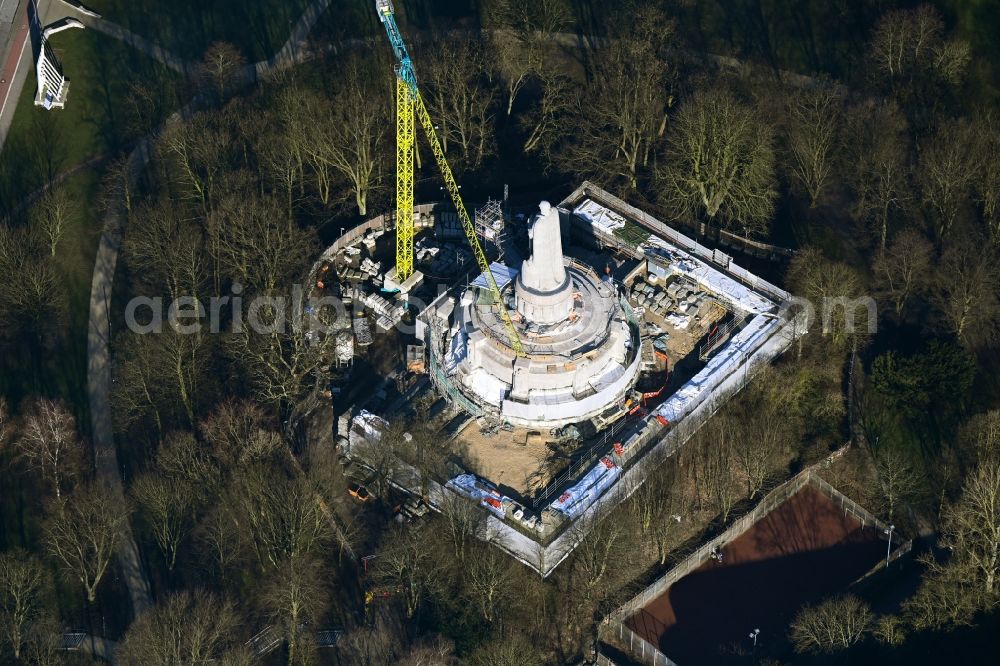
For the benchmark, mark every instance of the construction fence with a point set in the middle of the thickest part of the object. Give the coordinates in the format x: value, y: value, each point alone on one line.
x: 638, y: 647
x: 589, y: 190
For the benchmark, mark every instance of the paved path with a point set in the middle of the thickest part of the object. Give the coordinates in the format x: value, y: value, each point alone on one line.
x: 99, y: 383
x: 137, y: 42
x: 99, y: 335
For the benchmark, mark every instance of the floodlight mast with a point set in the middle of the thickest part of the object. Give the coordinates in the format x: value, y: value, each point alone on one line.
x: 409, y: 104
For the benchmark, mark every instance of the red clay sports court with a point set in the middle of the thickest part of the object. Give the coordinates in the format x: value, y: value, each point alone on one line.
x: 802, y: 551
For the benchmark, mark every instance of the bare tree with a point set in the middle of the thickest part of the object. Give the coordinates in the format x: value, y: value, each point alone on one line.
x: 597, y: 551
x: 239, y: 433
x: 116, y: 186
x: 81, y: 535
x: 434, y: 651
x: 951, y: 162
x: 409, y: 564
x: 760, y: 436
x: 972, y: 527
x: 167, y: 248
x: 660, y: 505
x: 348, y: 133
x: 619, y: 126
x: 187, y: 628
x: 813, y: 128
x: 460, y: 99
x: 294, y: 599
x: 49, y: 444
x: 198, y: 150
x: 50, y: 216
x: 6, y: 423
x: 488, y: 576
x: 380, y: 643
x: 22, y: 587
x: 519, y: 33
x: 257, y: 247
x: 166, y: 376
x: 218, y: 537
x: 168, y: 507
x: 382, y: 455
x: 182, y: 458
x: 981, y: 436
x: 279, y: 514
x: 32, y: 299
x: 913, y: 56
x: 899, y: 481
x: 947, y: 596
x: 965, y: 290
x: 720, y: 163
x: 287, y: 369
x: 544, y: 122
x: 835, y: 624
x: 223, y: 65
x: 463, y: 521
x: 836, y: 289
x: 876, y: 144
x: 44, y: 645
x: 717, y: 468
x: 507, y: 650
x: 988, y: 184
x: 903, y: 269
x: 889, y: 630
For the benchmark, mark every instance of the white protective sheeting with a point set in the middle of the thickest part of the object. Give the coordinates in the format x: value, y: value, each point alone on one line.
x: 370, y: 424
x: 611, y: 373
x: 578, y: 497
x: 715, y: 281
x: 485, y: 493
x: 487, y: 387
x: 540, y: 409
x: 604, y: 219
x: 458, y: 349
x: 718, y: 367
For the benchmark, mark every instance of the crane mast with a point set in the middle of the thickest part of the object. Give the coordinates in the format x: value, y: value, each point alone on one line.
x: 410, y: 105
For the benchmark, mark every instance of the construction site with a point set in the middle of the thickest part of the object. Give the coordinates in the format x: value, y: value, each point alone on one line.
x: 564, y: 351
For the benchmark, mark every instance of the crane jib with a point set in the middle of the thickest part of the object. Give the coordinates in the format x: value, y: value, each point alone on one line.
x: 409, y: 106
x: 404, y: 68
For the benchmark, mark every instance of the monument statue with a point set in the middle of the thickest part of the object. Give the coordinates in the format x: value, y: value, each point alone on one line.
x: 544, y: 293
x: 544, y: 271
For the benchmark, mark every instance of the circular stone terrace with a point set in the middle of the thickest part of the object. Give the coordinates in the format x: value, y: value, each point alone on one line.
x: 584, y: 330
x: 572, y: 370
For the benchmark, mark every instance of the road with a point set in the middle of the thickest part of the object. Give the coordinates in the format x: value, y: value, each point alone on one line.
x: 15, y: 52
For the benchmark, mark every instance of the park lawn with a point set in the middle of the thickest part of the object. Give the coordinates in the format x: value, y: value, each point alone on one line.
x: 96, y: 120
x: 43, y: 144
x: 187, y: 28
x: 27, y: 372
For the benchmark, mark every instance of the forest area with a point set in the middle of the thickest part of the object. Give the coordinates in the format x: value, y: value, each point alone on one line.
x: 863, y: 136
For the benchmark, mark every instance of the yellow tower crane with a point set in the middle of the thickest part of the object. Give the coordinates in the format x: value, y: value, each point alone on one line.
x: 410, y: 105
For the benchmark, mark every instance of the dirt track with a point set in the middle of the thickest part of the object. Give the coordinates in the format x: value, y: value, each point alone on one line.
x: 801, y: 552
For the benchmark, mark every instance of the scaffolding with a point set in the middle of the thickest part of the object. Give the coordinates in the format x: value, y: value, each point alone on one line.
x: 490, y: 224
x: 444, y: 384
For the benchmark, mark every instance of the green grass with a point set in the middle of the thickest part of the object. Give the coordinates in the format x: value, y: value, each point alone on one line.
x: 187, y: 27
x: 42, y: 144
x: 98, y: 118
x: 632, y: 234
